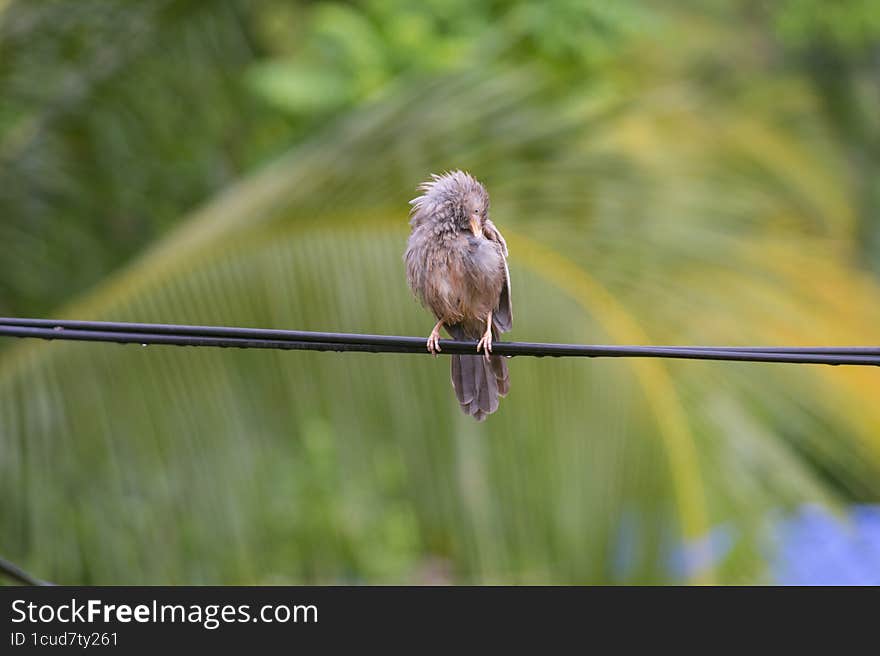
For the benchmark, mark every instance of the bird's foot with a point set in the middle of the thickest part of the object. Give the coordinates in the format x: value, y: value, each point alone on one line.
x: 485, y: 343
x: 434, y: 341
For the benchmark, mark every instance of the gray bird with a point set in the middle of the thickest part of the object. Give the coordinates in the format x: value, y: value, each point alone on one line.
x: 456, y: 264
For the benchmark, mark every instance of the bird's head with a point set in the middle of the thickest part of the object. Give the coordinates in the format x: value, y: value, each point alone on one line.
x: 454, y: 201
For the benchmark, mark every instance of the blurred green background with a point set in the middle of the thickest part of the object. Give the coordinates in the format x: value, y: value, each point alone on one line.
x: 664, y: 172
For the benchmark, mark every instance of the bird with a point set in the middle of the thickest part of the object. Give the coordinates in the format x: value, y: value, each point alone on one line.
x: 456, y: 266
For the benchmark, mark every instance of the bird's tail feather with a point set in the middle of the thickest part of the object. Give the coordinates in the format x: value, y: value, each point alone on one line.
x: 479, y: 383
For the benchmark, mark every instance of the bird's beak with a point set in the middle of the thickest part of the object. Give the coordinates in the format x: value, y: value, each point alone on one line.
x: 476, y: 227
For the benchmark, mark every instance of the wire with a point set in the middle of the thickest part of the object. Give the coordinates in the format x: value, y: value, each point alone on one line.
x: 16, y: 573
x: 231, y: 337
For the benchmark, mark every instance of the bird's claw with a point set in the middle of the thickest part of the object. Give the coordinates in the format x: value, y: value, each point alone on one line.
x: 434, y: 343
x: 485, y: 343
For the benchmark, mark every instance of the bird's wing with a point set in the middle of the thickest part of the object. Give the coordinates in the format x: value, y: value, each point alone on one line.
x: 502, y: 315
x: 492, y: 234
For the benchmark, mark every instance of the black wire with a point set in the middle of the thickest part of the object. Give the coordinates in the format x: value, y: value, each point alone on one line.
x: 222, y: 336
x: 407, y: 343
x: 352, y: 338
x: 16, y: 573
x: 192, y: 340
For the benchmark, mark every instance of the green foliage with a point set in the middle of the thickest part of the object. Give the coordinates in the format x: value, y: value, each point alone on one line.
x: 116, y: 118
x: 850, y: 24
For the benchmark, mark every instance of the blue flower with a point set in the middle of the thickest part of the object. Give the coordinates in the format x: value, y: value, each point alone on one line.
x: 696, y: 556
x: 817, y: 548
